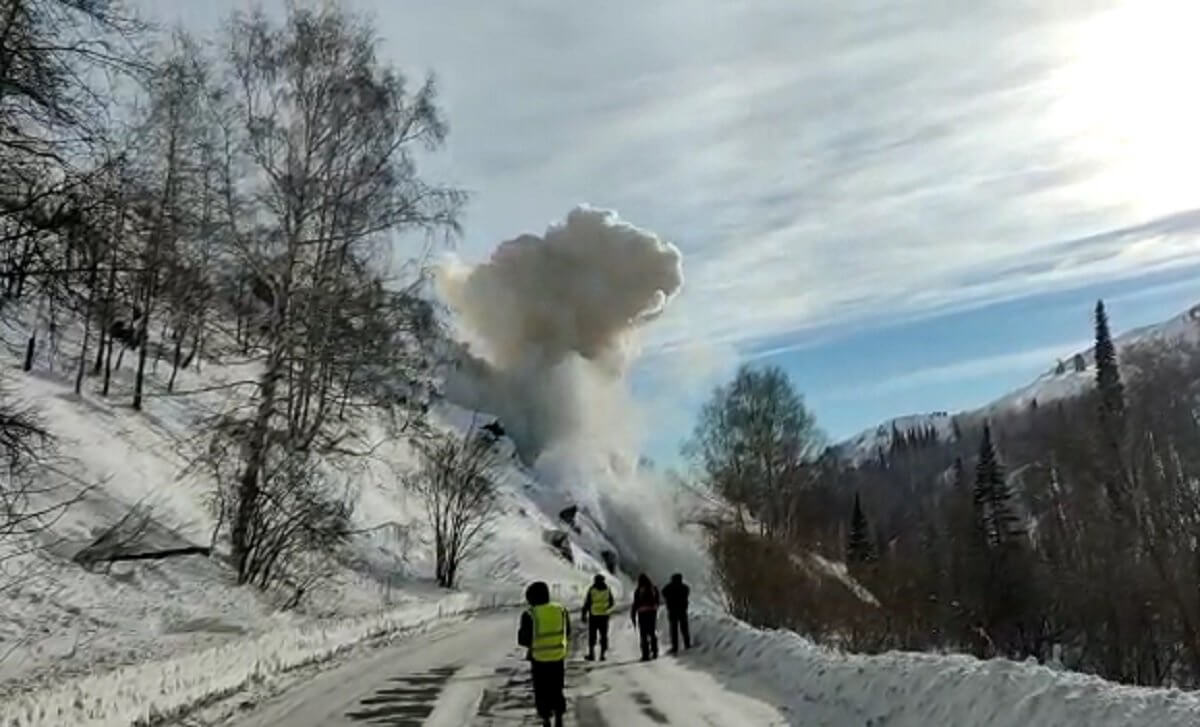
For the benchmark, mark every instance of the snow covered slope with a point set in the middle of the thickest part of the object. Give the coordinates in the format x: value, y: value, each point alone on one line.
x: 870, y: 442
x: 1075, y: 375
x: 59, y: 620
x: 1068, y: 381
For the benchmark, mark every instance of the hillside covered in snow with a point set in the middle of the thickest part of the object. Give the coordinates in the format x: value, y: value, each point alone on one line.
x: 129, y: 476
x: 1065, y: 378
x: 135, y: 566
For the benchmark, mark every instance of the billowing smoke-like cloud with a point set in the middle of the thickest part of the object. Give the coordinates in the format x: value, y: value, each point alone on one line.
x: 551, y: 322
x: 581, y: 288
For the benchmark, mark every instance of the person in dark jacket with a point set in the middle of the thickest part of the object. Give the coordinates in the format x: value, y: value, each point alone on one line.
x: 645, y: 616
x: 546, y: 631
x: 675, y: 595
x: 597, y: 607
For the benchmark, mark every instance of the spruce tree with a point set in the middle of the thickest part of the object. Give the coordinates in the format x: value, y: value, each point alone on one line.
x: 993, y: 498
x: 1108, y: 376
x: 858, y: 545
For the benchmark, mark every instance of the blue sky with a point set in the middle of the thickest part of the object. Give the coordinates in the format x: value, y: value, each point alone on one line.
x: 853, y: 379
x: 909, y: 204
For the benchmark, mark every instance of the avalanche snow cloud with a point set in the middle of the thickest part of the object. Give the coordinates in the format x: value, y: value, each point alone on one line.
x: 551, y: 325
x: 551, y: 321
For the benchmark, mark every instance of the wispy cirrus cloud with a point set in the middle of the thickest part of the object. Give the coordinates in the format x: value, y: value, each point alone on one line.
x: 819, y: 164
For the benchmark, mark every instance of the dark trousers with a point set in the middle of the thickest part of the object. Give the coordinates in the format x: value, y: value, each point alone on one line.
x: 597, y: 627
x: 648, y: 631
x: 679, y: 623
x: 548, y: 678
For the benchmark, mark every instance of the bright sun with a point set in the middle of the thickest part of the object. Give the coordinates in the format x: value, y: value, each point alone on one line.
x: 1130, y: 99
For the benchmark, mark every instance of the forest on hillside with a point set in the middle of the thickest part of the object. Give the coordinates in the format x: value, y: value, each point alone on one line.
x: 1067, y: 532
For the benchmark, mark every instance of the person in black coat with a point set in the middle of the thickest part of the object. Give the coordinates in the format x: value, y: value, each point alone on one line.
x: 645, y: 616
x: 675, y: 595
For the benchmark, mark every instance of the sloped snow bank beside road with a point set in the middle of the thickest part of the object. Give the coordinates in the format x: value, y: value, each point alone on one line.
x: 141, y: 693
x: 825, y: 687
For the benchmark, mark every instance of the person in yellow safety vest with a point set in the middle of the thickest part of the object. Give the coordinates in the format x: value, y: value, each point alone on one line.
x: 597, y: 607
x: 546, y: 632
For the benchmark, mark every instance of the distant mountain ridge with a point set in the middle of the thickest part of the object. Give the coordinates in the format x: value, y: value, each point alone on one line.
x: 1066, y: 378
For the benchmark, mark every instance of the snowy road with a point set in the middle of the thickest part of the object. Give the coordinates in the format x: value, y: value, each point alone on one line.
x: 473, y: 674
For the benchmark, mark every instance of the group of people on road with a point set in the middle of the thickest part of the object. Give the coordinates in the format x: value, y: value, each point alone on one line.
x: 545, y: 632
x: 644, y: 613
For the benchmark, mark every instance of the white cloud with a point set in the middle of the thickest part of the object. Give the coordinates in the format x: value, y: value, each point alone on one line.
x: 817, y: 163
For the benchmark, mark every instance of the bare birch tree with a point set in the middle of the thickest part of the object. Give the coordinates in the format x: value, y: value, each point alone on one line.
x: 318, y: 179
x: 457, y: 482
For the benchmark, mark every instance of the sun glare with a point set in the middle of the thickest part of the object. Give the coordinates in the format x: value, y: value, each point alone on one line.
x: 1129, y: 100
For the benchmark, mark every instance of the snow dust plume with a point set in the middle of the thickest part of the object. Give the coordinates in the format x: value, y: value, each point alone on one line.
x: 550, y: 323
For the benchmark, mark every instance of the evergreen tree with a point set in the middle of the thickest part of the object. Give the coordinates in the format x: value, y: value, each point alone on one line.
x: 1002, y: 565
x: 993, y: 498
x: 960, y: 475
x: 1108, y: 376
x: 859, y: 549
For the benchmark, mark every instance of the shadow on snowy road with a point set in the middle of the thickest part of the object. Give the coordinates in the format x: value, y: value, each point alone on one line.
x: 405, y: 705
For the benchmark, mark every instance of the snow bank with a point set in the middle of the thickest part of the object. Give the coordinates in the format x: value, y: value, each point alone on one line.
x: 825, y: 687
x: 140, y: 694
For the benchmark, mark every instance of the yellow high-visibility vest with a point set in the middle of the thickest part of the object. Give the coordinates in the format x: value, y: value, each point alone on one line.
x: 549, y: 632
x: 600, y: 601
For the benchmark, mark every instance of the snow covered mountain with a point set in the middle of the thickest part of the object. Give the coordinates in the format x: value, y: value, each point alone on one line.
x: 869, y: 442
x: 1065, y: 378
